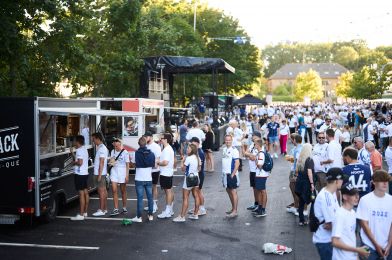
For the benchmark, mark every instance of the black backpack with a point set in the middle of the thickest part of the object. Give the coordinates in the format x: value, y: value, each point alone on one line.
x: 314, y: 222
x: 268, y: 162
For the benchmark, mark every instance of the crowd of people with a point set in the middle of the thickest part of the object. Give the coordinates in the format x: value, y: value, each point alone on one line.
x: 340, y: 170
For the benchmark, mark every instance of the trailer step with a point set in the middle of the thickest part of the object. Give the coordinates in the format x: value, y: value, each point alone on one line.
x: 8, y: 219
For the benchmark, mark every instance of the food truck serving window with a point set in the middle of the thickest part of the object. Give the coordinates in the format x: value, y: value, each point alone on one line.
x: 47, y: 133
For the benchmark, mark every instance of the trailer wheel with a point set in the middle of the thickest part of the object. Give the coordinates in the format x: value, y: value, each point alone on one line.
x: 51, y: 212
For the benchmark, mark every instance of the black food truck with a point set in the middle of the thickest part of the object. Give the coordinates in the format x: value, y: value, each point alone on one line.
x: 36, y: 166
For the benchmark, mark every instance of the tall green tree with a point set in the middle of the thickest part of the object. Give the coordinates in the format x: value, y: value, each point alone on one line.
x: 308, y: 84
x: 371, y: 82
x: 343, y: 88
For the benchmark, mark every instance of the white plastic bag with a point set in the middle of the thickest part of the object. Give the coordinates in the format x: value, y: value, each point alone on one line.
x: 271, y: 248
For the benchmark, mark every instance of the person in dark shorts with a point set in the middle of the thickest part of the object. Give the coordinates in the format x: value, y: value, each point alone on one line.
x: 166, y: 179
x: 230, y: 174
x: 81, y: 176
x: 251, y: 155
x: 202, y: 209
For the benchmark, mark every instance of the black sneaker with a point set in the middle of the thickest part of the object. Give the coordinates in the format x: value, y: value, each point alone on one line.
x: 124, y: 211
x: 252, y: 207
x: 115, y: 212
x: 263, y: 213
x: 258, y: 213
x: 255, y: 209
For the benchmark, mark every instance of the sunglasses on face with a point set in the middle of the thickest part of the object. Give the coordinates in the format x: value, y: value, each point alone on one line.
x: 321, y: 137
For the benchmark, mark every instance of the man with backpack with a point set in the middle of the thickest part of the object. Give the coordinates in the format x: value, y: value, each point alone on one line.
x: 145, y: 161
x: 251, y: 155
x: 322, y: 213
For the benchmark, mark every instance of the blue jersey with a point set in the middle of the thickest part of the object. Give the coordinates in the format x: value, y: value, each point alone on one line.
x: 359, y: 176
x: 273, y: 129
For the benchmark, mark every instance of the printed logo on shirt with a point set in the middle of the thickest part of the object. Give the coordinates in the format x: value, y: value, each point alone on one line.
x: 380, y: 213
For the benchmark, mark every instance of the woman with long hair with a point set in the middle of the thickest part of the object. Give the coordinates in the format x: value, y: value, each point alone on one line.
x: 244, y: 140
x: 304, y: 185
x: 208, y: 146
x: 190, y: 165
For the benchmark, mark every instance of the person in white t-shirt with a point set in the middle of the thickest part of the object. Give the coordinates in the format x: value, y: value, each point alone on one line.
x: 190, y: 165
x: 320, y: 154
x: 375, y: 215
x: 100, y: 171
x: 195, y: 131
x: 368, y: 131
x: 230, y: 175
x: 166, y: 178
x: 284, y: 136
x: 81, y: 176
x: 119, y: 174
x: 325, y: 207
x: 344, y: 225
x: 334, y: 152
x: 260, y: 180
x: 251, y: 155
x: 363, y: 154
x: 388, y: 158
x: 156, y: 149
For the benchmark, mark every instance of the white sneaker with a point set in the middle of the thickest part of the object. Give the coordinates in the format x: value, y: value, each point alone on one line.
x: 191, y: 211
x: 292, y: 210
x: 179, y: 219
x: 137, y: 220
x: 202, y: 212
x: 150, y: 217
x: 78, y: 217
x: 99, y: 213
x: 164, y: 214
x: 276, y: 155
x: 154, y: 208
x: 194, y: 217
x: 85, y: 215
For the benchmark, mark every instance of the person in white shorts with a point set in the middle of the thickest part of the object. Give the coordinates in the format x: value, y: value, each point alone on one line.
x: 344, y: 225
x: 190, y: 165
x: 119, y: 174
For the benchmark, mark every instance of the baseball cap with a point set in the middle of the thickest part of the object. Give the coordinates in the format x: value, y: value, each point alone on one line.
x: 195, y: 139
x: 148, y: 133
x: 257, y: 133
x: 348, y: 189
x: 334, y: 174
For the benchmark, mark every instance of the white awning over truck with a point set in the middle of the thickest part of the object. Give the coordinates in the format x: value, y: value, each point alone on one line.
x: 64, y: 111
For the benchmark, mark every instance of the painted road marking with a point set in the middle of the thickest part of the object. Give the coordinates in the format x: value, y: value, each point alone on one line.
x: 50, y: 246
x: 92, y: 218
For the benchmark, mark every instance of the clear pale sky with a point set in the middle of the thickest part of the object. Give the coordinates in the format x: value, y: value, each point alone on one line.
x: 273, y: 21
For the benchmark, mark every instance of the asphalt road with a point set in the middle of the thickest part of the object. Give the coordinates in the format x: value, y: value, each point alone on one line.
x: 211, y: 237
